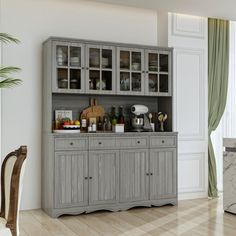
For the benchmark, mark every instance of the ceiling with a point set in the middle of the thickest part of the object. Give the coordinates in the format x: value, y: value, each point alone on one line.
x: 211, y: 8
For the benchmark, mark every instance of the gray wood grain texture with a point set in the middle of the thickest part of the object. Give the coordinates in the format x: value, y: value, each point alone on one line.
x: 162, y: 141
x: 134, y: 166
x: 103, y: 177
x: 163, y: 171
x: 71, y: 144
x: 71, y: 187
x: 47, y: 88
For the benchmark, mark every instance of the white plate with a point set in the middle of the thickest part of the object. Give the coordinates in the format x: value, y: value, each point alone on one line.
x: 63, y: 131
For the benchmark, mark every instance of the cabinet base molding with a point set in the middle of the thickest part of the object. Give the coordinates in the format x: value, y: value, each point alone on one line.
x: 113, y: 208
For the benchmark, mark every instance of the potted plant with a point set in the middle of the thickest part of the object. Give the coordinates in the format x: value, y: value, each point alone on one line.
x: 6, y: 78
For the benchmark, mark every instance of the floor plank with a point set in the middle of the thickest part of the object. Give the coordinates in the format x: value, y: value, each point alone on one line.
x: 198, y: 217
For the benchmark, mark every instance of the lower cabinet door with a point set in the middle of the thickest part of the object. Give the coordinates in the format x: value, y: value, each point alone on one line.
x: 103, y: 176
x: 163, y: 173
x: 71, y: 184
x: 134, y: 179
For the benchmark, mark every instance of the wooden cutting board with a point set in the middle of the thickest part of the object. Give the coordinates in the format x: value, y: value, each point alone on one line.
x: 94, y: 110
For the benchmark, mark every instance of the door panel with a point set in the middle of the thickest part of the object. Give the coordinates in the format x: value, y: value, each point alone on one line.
x: 71, y: 187
x: 130, y: 72
x: 163, y: 176
x: 133, y: 175
x: 103, y: 177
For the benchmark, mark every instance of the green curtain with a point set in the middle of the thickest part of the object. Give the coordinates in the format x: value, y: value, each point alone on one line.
x: 218, y: 67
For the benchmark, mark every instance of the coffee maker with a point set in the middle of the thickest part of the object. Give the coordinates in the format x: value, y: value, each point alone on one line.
x: 140, y: 121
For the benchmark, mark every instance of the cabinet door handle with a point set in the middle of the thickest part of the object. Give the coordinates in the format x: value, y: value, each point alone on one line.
x: 151, y: 173
x: 87, y: 68
x: 163, y: 141
x: 143, y: 71
x: 90, y: 177
x: 138, y: 142
x: 147, y: 174
x: 83, y: 68
x: 71, y: 143
x: 99, y: 143
x: 85, y: 177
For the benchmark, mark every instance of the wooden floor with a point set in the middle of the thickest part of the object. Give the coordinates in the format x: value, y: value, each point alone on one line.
x: 189, y: 218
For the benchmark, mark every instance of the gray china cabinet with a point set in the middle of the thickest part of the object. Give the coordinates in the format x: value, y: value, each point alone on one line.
x: 87, y: 172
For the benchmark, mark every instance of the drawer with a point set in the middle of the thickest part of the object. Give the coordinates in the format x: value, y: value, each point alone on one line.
x: 162, y: 141
x: 131, y: 142
x: 71, y: 144
x: 102, y: 143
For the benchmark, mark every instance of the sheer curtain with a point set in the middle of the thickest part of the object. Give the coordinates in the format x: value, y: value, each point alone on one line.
x: 227, y: 126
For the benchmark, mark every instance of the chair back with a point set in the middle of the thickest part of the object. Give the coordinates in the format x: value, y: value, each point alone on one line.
x: 12, y: 172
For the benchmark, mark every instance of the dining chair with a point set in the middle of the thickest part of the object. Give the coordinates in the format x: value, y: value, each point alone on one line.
x: 12, y: 172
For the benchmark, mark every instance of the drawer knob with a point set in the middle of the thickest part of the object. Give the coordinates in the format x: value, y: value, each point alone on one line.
x: 99, y: 143
x: 85, y: 177
x: 71, y: 143
x: 151, y: 173
x: 147, y: 174
x: 138, y: 142
x: 163, y: 141
x: 90, y: 177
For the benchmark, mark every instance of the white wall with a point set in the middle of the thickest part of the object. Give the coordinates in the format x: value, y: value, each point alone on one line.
x: 188, y: 36
x: 33, y: 22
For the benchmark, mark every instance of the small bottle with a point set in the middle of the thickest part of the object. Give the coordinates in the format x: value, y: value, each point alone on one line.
x: 105, y: 123
x: 94, y: 127
x: 99, y: 124
x: 83, y: 123
x: 89, y: 128
x: 121, y: 118
x: 113, y: 115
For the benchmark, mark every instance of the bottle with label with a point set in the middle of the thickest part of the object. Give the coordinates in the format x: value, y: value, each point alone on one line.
x: 105, y: 123
x: 121, y: 118
x: 83, y: 123
x: 113, y: 115
x: 99, y: 124
x: 94, y: 127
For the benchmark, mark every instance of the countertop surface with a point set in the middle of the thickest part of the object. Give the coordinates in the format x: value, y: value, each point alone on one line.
x: 116, y: 134
x: 229, y: 142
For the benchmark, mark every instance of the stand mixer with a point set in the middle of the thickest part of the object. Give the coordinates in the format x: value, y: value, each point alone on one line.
x: 140, y: 122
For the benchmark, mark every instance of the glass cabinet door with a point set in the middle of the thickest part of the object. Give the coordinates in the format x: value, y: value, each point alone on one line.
x: 100, y: 69
x: 130, y: 71
x: 157, y: 76
x: 69, y: 66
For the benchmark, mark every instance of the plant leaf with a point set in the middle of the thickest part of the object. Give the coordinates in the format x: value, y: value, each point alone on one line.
x: 9, y: 82
x: 7, y: 38
x: 5, y: 71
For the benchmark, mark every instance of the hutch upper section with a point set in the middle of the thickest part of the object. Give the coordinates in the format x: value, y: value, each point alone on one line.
x: 93, y: 67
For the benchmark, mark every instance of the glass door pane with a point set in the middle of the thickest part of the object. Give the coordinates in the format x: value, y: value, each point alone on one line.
x: 94, y: 80
x: 136, y: 61
x: 136, y: 82
x: 62, y: 55
x: 62, y: 78
x: 164, y: 65
x: 124, y: 81
x: 94, y: 58
x: 106, y: 58
x: 124, y: 60
x: 75, y: 56
x: 163, y: 83
x: 153, y: 62
x: 152, y: 83
x: 75, y: 79
x: 106, y: 80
